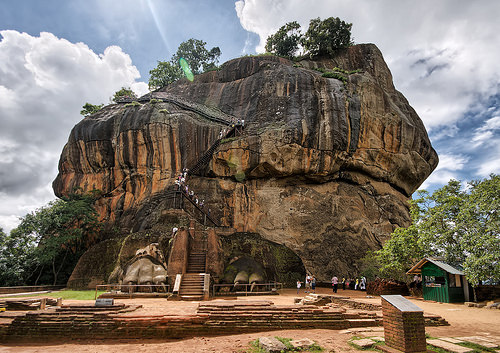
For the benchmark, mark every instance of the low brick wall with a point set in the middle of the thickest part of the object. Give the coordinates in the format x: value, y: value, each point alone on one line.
x: 403, y: 330
x: 28, y: 289
x: 356, y: 305
x: 487, y: 292
x: 102, y: 323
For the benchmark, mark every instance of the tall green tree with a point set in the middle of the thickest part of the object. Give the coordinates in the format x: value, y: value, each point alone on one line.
x: 124, y: 92
x: 285, y: 42
x: 324, y: 37
x: 16, y: 254
x: 51, y: 239
x: 460, y: 225
x: 164, y: 74
x: 199, y: 58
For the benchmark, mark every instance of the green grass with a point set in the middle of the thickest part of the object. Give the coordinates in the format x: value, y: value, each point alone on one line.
x: 65, y: 294
x: 477, y: 347
x: 254, y: 346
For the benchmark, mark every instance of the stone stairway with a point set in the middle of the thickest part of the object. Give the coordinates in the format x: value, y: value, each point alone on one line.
x: 196, y: 262
x: 191, y: 286
x: 193, y: 280
x: 261, y: 315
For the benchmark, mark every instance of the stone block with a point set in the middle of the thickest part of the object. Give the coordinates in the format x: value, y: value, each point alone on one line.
x: 271, y: 345
x: 449, y: 346
x: 364, y: 342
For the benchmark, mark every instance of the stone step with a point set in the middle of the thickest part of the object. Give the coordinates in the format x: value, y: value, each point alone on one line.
x: 451, y: 347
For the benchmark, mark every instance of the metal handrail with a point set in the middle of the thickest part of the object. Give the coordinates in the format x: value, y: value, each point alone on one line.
x: 277, y: 286
x: 120, y: 286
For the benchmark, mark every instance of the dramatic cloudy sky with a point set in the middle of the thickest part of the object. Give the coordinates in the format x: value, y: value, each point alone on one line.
x: 56, y: 55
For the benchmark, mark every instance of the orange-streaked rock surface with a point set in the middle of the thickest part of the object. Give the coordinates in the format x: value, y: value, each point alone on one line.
x: 322, y: 167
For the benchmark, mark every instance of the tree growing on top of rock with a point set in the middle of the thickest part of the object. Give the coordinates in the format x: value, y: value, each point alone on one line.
x: 200, y: 60
x: 321, y: 38
x: 124, y: 92
x: 324, y: 37
x: 285, y: 42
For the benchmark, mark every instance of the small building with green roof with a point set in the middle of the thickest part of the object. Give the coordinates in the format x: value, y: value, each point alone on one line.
x: 441, y: 282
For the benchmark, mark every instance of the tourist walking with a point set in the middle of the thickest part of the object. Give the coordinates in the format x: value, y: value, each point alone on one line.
x: 362, y: 286
x: 343, y: 283
x: 313, y: 284
x: 357, y: 284
x: 299, y: 284
x: 308, y: 283
x: 335, y: 283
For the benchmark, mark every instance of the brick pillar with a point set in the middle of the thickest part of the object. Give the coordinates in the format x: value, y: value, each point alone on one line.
x: 404, y: 327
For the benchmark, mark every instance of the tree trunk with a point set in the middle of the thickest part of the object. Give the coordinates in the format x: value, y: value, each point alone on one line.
x: 39, y: 274
x: 60, y: 266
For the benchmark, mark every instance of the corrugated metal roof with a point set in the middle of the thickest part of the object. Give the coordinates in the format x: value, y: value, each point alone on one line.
x: 448, y: 268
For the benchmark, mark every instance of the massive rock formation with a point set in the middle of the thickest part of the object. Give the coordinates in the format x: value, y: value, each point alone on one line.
x: 324, y: 165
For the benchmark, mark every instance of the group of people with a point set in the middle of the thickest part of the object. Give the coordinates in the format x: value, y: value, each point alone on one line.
x: 350, y: 283
x: 235, y: 122
x: 182, y: 186
x: 310, y: 284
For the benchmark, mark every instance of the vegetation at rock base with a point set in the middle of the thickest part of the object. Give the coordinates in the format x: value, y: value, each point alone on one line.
x: 200, y: 60
x: 45, y: 247
x: 321, y: 38
x: 89, y: 109
x: 124, y: 92
x: 460, y: 225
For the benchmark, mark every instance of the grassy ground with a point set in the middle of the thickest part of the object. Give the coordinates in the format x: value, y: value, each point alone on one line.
x: 65, y: 294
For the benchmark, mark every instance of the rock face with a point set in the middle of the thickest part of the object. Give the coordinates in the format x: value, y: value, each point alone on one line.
x: 324, y: 167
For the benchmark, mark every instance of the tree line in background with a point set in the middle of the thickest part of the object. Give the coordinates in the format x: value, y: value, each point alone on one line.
x: 48, y: 242
x: 459, y: 224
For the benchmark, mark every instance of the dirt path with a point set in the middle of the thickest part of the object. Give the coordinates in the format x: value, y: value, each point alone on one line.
x: 464, y: 321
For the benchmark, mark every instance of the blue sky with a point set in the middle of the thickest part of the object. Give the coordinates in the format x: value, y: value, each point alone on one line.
x: 57, y: 55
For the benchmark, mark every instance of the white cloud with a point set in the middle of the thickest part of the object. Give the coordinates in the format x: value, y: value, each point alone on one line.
x: 490, y: 166
x: 44, y: 81
x: 449, y: 167
x: 443, y: 55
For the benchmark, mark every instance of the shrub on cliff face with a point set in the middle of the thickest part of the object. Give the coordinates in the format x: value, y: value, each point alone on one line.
x: 89, y: 109
x: 124, y: 92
